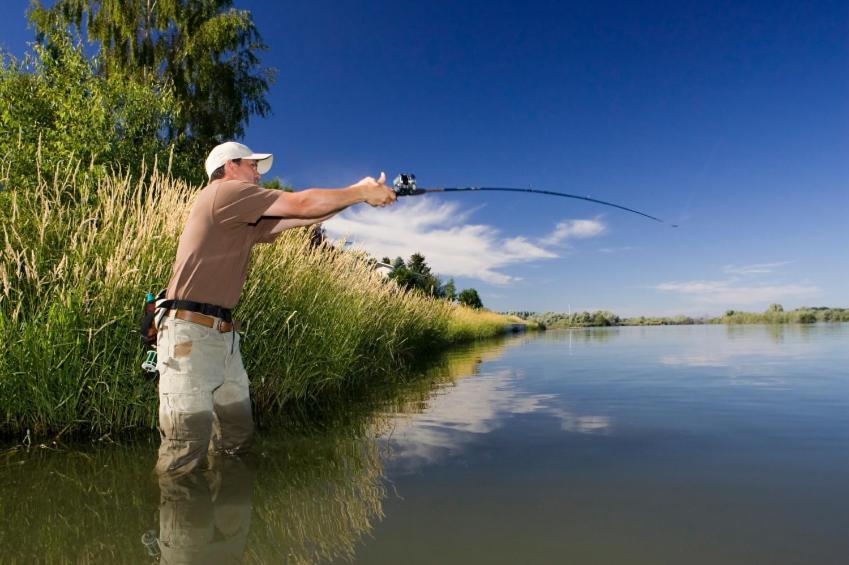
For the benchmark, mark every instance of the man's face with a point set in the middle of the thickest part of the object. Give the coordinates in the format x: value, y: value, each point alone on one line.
x: 244, y: 170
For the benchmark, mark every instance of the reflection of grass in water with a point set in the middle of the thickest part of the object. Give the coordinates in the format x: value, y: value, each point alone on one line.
x: 341, y: 495
x: 599, y: 335
x: 318, y: 489
x: 85, y: 506
x: 317, y: 495
x: 364, y: 407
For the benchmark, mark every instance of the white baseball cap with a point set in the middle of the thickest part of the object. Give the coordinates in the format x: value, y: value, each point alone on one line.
x: 229, y: 150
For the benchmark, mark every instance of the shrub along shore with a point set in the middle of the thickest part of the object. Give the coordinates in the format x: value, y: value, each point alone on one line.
x: 775, y: 314
x: 79, y: 255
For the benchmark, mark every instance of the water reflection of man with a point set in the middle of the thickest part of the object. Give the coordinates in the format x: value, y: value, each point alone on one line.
x: 205, y: 516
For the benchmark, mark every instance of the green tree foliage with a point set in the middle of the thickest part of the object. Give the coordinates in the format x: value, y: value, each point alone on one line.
x: 418, y: 264
x: 276, y: 184
x: 775, y: 308
x: 807, y: 317
x: 426, y: 280
x: 469, y: 297
x: 449, y: 291
x: 205, y: 49
x: 416, y: 274
x: 57, y: 110
x: 803, y: 315
x: 601, y: 318
x: 404, y: 277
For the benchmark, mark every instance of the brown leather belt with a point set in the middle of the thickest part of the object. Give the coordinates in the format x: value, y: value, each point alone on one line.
x: 208, y: 321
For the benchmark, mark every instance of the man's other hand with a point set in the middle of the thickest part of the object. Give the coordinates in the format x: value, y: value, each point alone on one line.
x: 375, y: 192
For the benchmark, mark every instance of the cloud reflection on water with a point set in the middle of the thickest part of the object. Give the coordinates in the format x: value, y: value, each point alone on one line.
x: 743, y: 346
x: 755, y: 356
x: 458, y: 415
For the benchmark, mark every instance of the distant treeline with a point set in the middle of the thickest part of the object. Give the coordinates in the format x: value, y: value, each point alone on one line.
x: 576, y: 319
x: 775, y: 314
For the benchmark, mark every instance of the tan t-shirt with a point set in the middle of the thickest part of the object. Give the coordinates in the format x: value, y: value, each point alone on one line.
x: 223, y: 225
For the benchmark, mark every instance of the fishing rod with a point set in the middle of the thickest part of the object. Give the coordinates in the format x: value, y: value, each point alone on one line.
x: 405, y: 185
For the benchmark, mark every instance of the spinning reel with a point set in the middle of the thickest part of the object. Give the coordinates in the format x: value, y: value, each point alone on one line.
x: 405, y: 185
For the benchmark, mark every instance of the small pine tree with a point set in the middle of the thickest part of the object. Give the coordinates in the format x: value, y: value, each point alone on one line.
x: 418, y: 264
x: 449, y: 291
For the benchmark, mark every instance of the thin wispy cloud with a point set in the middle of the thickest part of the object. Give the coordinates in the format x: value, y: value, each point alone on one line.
x: 452, y: 246
x: 755, y: 269
x: 748, y: 285
x: 733, y: 293
x: 622, y: 249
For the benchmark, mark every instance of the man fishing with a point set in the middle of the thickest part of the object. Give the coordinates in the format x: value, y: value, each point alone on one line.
x: 204, y: 400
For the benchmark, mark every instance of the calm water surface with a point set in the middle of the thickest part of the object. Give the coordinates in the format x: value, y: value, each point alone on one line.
x: 702, y: 444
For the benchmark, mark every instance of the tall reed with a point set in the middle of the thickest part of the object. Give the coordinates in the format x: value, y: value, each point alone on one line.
x: 78, y: 257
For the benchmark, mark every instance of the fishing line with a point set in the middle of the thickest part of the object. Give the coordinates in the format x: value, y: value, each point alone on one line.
x: 405, y: 185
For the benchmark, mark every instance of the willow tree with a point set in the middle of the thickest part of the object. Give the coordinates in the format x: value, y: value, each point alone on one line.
x: 206, y: 49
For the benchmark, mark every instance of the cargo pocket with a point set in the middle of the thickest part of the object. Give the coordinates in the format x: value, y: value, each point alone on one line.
x: 190, y: 426
x: 186, y: 340
x: 186, y: 425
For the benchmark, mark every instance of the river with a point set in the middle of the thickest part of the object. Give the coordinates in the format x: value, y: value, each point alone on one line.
x: 689, y: 444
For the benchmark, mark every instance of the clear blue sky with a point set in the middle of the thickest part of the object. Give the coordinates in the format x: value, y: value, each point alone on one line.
x: 729, y: 118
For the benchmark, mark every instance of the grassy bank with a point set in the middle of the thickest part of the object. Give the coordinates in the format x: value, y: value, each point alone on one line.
x: 79, y: 256
x: 466, y: 324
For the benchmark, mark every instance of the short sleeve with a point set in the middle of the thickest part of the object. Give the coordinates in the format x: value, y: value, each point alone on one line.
x: 262, y: 230
x: 239, y: 202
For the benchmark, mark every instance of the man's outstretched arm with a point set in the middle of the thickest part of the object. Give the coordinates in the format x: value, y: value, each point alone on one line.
x: 288, y: 223
x: 317, y: 203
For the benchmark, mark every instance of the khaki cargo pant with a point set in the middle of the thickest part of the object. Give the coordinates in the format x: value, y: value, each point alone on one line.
x: 204, y: 400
